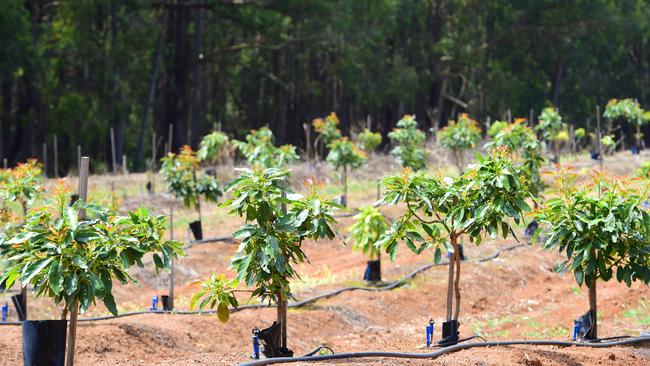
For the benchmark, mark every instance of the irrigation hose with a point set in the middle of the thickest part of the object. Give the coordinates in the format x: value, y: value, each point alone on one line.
x: 386, y: 287
x: 450, y: 349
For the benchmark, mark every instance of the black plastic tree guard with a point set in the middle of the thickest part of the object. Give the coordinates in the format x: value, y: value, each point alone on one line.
x: 44, y: 342
x: 270, y: 338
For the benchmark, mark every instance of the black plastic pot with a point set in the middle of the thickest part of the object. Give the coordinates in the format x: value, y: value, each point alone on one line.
x: 44, y: 342
x: 3, y: 285
x: 165, y: 302
x: 373, y: 271
x: 449, y: 333
x: 197, y: 230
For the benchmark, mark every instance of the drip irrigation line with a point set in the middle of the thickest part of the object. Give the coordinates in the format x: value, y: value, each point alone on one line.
x: 318, y: 349
x: 297, y: 304
x: 450, y: 349
x: 211, y: 240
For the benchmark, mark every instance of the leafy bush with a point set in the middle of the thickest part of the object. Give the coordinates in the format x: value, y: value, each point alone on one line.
x: 522, y: 142
x: 459, y: 136
x: 75, y: 260
x: 644, y: 170
x: 258, y: 149
x: 409, y: 151
x: 212, y: 146
x: 550, y: 123
x: 344, y: 153
x: 327, y: 128
x: 368, y: 140
x: 272, y: 236
x: 629, y: 110
x: 182, y: 175
x: 601, y: 228
x: 368, y: 227
x: 444, y: 209
x: 22, y: 184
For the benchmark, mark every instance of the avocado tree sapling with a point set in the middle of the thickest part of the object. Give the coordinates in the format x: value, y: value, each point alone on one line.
x: 442, y: 210
x: 271, y: 240
x: 368, y: 227
x: 409, y: 144
x: 345, y: 155
x: 601, y: 228
x: 183, y: 176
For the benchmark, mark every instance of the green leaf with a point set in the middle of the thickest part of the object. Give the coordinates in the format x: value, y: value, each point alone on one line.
x: 56, y: 277
x: 109, y: 301
x: 579, y: 275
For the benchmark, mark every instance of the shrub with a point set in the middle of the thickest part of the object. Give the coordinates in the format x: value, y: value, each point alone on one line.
x: 75, y: 260
x: 276, y: 224
x: 368, y: 140
x: 409, y: 151
x: 368, y: 227
x: 601, y: 228
x: 628, y: 110
x: 523, y: 144
x: 259, y: 150
x: 183, y: 177
x: 327, y: 128
x: 459, y: 136
x: 445, y: 209
x: 212, y: 146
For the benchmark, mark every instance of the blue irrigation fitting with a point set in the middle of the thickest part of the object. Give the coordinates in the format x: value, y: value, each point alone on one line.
x: 154, y: 303
x: 577, y: 327
x: 256, y: 344
x: 5, y: 310
x: 645, y: 205
x: 430, y: 330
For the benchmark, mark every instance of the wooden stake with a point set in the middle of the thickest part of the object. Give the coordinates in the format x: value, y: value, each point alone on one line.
x: 305, y: 126
x: 113, y: 153
x: 5, y: 164
x: 72, y: 329
x: 531, y: 118
x: 56, y: 158
x: 125, y: 169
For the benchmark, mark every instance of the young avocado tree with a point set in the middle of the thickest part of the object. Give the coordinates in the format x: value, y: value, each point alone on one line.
x: 460, y: 136
x: 277, y: 222
x: 259, y: 150
x: 442, y: 210
x: 602, y: 230
x: 552, y: 129
x: 212, y: 147
x: 368, y: 227
x: 345, y: 155
x: 22, y: 185
x: 183, y: 177
x: 369, y: 141
x: 74, y: 260
x: 327, y: 131
x: 630, y: 111
x: 409, y: 141
x: 525, y: 148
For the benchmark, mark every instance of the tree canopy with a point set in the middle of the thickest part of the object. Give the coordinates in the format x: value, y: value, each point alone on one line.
x: 138, y: 67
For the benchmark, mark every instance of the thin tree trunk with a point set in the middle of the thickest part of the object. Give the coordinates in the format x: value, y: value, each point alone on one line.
x: 593, y: 307
x: 72, y: 335
x: 450, y: 287
x: 454, y: 242
x: 282, y: 319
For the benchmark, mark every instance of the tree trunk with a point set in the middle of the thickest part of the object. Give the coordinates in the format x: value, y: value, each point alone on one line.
x: 593, y: 308
x: 454, y: 242
x: 282, y: 318
x: 450, y: 287
x: 72, y: 335
x: 344, y: 177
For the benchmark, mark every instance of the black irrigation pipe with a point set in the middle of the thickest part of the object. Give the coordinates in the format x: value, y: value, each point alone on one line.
x: 450, y: 349
x: 297, y: 304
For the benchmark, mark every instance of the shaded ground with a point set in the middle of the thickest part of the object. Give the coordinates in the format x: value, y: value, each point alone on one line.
x: 516, y: 296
